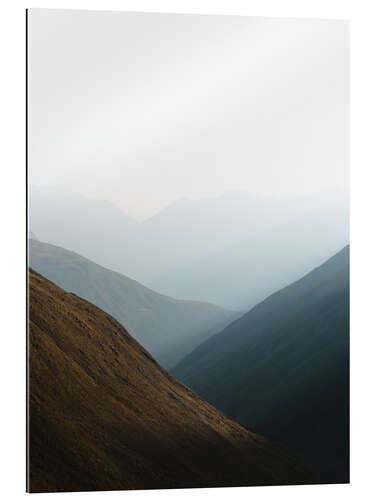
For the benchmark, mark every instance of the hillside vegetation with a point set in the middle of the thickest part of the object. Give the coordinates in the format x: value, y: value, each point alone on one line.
x: 104, y: 415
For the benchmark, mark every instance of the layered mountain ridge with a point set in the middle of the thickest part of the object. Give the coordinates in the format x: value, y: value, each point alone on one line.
x: 224, y: 250
x: 168, y: 328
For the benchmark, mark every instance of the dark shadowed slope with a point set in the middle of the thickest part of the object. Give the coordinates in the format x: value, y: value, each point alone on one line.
x: 169, y: 328
x: 104, y: 415
x: 284, y: 367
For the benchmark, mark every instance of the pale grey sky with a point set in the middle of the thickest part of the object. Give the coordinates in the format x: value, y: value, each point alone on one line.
x: 144, y: 109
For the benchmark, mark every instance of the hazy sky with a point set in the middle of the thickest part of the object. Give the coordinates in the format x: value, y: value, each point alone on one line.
x: 144, y: 109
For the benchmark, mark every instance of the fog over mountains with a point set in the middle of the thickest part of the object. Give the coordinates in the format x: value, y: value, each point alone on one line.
x: 232, y: 250
x: 96, y: 229
x: 188, y: 182
x: 243, y: 274
x: 169, y: 328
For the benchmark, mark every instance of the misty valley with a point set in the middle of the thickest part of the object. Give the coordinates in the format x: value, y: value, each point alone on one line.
x: 207, y: 345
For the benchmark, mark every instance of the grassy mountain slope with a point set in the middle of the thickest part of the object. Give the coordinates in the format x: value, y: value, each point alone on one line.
x: 169, y: 328
x: 104, y: 415
x: 288, y: 360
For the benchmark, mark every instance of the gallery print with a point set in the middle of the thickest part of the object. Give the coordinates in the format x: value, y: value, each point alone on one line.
x: 188, y: 251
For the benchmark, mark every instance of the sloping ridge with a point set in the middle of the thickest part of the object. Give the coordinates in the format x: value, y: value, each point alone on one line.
x: 104, y: 415
x: 288, y: 359
x: 167, y: 327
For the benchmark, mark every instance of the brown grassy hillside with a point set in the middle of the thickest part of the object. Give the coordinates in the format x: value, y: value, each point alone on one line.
x: 104, y: 415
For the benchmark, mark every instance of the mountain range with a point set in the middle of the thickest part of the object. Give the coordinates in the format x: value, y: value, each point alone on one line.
x: 281, y: 370
x: 168, y: 328
x: 232, y: 250
x: 245, y: 273
x: 283, y: 367
x: 103, y: 415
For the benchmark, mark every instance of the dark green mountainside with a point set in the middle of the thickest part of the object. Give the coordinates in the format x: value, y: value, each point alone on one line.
x: 168, y: 328
x: 284, y: 367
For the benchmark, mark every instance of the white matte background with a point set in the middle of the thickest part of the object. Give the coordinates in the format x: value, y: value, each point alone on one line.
x: 13, y: 230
